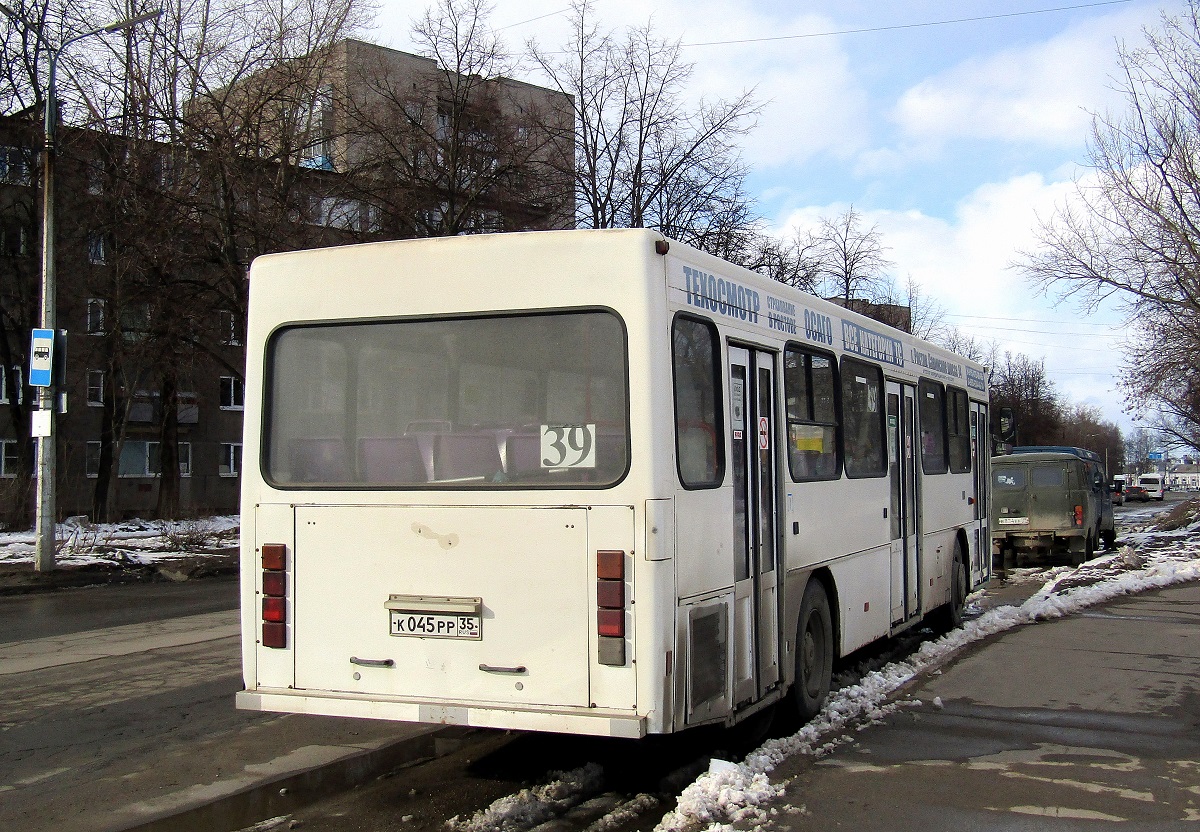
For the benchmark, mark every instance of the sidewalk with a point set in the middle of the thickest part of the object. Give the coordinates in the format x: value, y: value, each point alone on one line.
x: 1093, y: 717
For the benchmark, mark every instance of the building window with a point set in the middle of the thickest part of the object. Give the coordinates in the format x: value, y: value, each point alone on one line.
x: 231, y: 330
x: 14, y: 238
x: 233, y: 393
x: 10, y: 385
x: 188, y: 409
x: 97, y: 248
x: 231, y: 459
x: 95, y: 316
x: 138, y: 459
x: 9, y: 461
x: 16, y: 165
x: 95, y: 388
x: 91, y: 460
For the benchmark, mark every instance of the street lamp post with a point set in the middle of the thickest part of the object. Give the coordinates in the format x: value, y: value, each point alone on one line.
x: 46, y: 457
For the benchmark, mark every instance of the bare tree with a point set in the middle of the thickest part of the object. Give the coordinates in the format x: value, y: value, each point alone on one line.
x: 793, y: 260
x: 853, y: 259
x: 1021, y: 383
x: 645, y: 157
x: 1132, y: 229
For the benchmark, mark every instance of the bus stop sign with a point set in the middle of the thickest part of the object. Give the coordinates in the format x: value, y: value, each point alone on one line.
x: 41, y: 358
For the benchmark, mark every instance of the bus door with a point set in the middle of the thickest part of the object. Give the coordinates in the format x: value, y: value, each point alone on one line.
x: 904, y: 509
x: 756, y: 598
x: 981, y: 552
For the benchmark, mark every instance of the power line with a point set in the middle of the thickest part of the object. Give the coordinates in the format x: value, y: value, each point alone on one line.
x: 1048, y: 331
x: 1028, y: 320
x: 913, y: 25
x: 532, y: 19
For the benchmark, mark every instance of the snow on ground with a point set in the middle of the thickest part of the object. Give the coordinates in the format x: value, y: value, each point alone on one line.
x: 1151, y: 559
x: 132, y: 543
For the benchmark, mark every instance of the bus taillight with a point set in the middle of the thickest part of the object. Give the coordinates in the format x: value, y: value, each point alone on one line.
x: 610, y: 601
x: 274, y: 588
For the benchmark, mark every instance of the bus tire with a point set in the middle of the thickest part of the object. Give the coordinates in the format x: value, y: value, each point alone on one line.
x: 814, y: 652
x: 950, y: 615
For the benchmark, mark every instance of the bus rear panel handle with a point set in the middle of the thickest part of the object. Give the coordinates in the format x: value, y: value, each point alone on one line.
x: 372, y: 662
x: 487, y: 668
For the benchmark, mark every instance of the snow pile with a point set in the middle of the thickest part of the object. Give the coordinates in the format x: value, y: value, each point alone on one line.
x: 733, y: 792
x: 131, y: 543
x: 529, y: 807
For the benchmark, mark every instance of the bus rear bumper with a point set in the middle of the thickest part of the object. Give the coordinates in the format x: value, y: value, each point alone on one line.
x: 591, y: 721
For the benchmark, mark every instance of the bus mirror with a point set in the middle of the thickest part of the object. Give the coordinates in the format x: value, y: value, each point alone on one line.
x: 1007, y: 425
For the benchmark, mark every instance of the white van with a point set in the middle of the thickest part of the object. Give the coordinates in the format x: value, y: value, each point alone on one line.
x: 1153, y: 483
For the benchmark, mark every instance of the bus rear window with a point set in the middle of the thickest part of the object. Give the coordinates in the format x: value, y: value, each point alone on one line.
x: 531, y: 400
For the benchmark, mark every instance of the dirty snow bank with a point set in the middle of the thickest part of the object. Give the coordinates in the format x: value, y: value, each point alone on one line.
x: 731, y: 792
x: 131, y: 543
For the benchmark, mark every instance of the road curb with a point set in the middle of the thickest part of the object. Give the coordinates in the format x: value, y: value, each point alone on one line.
x: 288, y: 792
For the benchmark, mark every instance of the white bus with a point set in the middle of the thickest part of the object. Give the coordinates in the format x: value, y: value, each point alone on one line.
x: 590, y: 482
x: 1153, y: 483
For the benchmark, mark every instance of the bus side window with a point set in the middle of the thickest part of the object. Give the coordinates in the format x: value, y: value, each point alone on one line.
x: 933, y: 426
x: 810, y: 387
x: 700, y: 454
x: 958, y: 433
x: 862, y: 414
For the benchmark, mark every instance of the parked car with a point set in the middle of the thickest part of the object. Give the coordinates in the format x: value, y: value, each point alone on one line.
x: 1117, y: 487
x: 1135, y: 493
x: 1047, y: 502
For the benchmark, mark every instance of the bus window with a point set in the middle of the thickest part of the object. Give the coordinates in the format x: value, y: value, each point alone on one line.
x: 523, y: 400
x: 933, y: 426
x: 958, y: 434
x: 699, y: 453
x: 862, y: 415
x: 810, y: 388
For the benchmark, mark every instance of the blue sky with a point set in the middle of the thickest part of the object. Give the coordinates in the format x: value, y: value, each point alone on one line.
x: 952, y: 138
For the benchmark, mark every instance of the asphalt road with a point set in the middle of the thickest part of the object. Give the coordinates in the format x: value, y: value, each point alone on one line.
x: 120, y: 708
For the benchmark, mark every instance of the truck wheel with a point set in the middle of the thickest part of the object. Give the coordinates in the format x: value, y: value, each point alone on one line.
x: 1109, y: 536
x: 814, y: 652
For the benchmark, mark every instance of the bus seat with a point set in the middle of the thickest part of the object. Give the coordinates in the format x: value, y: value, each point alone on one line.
x: 522, y: 453
x: 465, y: 455
x: 318, y: 460
x: 391, y: 459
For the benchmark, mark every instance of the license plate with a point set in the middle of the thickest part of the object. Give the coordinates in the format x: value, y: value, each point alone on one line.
x: 1013, y: 521
x: 436, y: 625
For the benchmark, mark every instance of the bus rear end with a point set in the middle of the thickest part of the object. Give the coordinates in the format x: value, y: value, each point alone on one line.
x: 436, y: 518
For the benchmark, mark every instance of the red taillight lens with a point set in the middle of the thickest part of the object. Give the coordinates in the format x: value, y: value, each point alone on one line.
x: 610, y: 622
x: 1078, y: 515
x: 274, y: 556
x: 274, y: 609
x: 274, y: 584
x: 610, y: 594
x: 274, y: 634
x: 610, y: 565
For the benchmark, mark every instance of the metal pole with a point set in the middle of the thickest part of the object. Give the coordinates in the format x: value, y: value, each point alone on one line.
x: 46, y: 547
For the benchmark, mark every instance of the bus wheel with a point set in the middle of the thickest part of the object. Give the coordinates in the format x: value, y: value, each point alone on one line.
x: 814, y: 652
x: 950, y: 615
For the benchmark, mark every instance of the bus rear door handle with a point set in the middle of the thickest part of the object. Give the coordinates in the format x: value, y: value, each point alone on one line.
x: 487, y: 668
x: 372, y: 662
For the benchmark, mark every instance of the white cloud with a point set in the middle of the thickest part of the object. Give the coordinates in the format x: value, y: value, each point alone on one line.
x: 965, y: 264
x: 1040, y: 93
